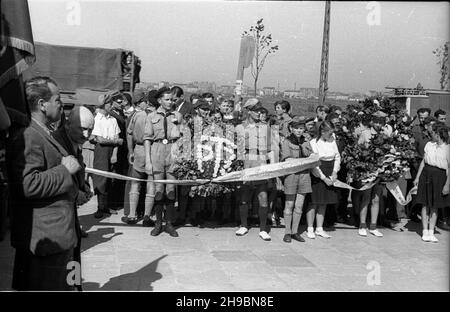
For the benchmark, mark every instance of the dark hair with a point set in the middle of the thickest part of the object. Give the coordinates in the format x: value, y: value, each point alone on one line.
x: 207, y: 95
x: 439, y: 112
x: 324, y: 126
x: 322, y: 108
x: 366, y: 121
x: 162, y: 91
x: 284, y: 105
x: 128, y: 97
x: 332, y: 115
x: 194, y: 96
x: 263, y: 110
x: 335, y: 108
x: 228, y: 101
x: 177, y: 91
x: 442, y: 130
x: 37, y: 88
x: 423, y: 110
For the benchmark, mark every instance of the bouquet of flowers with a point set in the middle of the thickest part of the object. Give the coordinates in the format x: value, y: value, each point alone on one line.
x: 386, y: 158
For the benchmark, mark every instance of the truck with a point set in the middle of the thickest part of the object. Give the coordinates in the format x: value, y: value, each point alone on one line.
x: 84, y: 73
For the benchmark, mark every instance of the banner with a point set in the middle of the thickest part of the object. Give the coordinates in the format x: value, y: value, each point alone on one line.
x: 16, y: 39
x: 264, y: 172
x: 392, y: 187
x: 267, y: 172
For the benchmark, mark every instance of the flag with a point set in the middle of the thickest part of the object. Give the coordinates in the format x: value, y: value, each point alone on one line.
x: 16, y: 39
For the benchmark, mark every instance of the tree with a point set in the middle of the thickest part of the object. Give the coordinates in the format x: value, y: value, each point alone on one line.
x: 444, y: 64
x: 263, y: 47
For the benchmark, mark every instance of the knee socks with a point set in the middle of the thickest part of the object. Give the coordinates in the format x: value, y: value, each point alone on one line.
x: 296, y: 220
x: 288, y: 222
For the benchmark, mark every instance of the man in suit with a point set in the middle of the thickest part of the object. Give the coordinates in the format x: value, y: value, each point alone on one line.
x: 43, y: 193
x: 181, y: 105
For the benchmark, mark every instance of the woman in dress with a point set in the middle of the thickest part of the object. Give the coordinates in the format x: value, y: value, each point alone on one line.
x: 322, y: 178
x: 433, y: 180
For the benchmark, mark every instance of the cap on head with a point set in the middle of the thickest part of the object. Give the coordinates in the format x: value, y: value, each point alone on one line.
x: 379, y: 114
x: 139, y: 95
x: 109, y: 96
x: 80, y: 116
x: 250, y: 103
x: 202, y: 104
x: 297, y: 121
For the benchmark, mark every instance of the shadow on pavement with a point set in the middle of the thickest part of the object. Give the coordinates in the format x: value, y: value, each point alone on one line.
x: 140, y: 280
x: 97, y: 237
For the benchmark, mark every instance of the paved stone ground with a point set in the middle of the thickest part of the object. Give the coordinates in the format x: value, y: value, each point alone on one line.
x: 125, y: 257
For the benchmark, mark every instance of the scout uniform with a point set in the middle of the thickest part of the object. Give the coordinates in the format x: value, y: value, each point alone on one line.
x: 136, y: 129
x: 258, y: 139
x: 162, y: 130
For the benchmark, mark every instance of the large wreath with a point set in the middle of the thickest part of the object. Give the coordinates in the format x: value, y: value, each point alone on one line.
x: 205, y: 163
x: 386, y: 158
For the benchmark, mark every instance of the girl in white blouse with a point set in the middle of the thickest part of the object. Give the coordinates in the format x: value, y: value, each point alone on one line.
x: 433, y: 179
x: 323, y: 191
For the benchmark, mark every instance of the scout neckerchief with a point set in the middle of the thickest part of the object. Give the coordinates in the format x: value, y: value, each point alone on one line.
x: 165, y: 115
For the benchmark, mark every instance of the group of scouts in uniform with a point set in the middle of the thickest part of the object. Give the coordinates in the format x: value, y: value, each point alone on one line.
x: 160, y: 117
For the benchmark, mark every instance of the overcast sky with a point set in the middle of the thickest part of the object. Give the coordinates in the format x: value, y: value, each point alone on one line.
x: 183, y: 41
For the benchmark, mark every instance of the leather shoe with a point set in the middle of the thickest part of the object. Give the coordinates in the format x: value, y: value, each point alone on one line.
x: 128, y: 220
x: 157, y: 229
x: 298, y: 238
x: 147, y: 222
x: 171, y: 230
x: 287, y: 238
x: 443, y: 225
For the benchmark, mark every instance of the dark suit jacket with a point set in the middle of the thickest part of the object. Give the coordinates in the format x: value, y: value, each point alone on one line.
x: 43, y: 193
x: 186, y: 108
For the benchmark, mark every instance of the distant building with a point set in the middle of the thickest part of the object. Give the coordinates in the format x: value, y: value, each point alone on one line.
x: 413, y: 99
x: 205, y: 86
x: 268, y: 91
x: 190, y: 88
x: 292, y: 94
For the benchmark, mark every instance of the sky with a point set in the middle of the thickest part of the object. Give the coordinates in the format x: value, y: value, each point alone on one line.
x: 184, y: 41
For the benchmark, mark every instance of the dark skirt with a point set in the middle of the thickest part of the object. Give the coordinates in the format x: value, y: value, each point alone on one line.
x: 323, y: 194
x: 431, y: 183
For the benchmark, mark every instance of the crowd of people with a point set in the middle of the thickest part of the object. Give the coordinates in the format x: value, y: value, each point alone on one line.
x: 135, y: 136
x: 140, y: 131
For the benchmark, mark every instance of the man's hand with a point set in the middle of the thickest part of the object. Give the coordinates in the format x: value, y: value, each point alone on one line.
x: 328, y: 181
x: 446, y: 189
x: 334, y: 176
x: 83, y: 197
x: 118, y: 141
x: 148, y: 168
x: 114, y: 158
x: 71, y: 164
x: 416, y: 182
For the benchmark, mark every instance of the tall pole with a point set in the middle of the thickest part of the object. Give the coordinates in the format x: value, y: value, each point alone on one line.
x: 323, y: 83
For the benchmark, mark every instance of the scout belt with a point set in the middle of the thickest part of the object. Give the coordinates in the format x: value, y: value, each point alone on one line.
x: 164, y: 141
